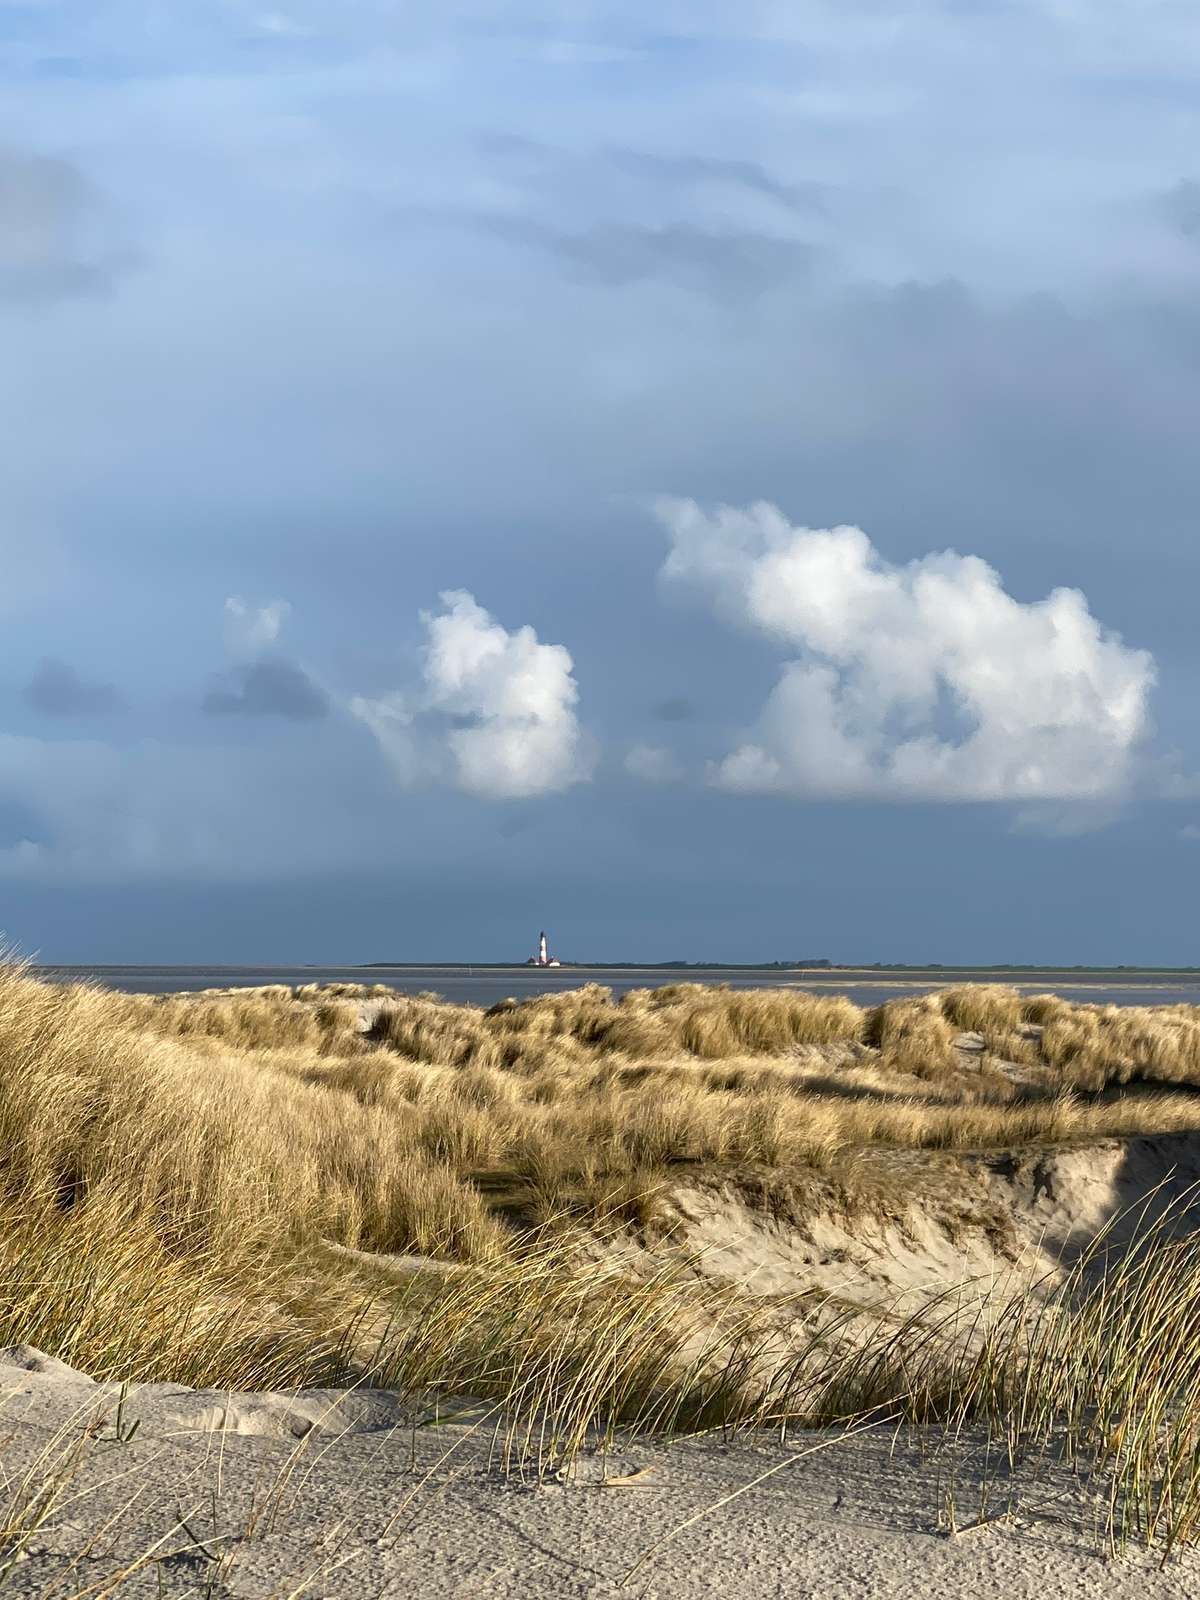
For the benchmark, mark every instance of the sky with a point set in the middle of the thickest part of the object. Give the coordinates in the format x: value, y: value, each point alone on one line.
x: 717, y: 481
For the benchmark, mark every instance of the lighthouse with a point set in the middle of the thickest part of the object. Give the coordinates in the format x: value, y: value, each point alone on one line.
x: 543, y: 957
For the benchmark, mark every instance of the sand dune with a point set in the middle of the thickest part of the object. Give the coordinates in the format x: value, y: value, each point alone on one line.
x: 687, y: 1224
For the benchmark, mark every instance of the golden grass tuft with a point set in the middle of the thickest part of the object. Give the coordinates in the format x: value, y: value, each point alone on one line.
x: 981, y: 1007
x: 210, y: 1142
x: 100, y: 1288
x: 913, y: 1037
x: 1092, y: 1047
x: 689, y: 1019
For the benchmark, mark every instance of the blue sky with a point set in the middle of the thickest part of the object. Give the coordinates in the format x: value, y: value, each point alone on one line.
x: 716, y: 480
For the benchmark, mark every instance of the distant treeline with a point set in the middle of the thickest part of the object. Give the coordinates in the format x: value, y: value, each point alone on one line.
x: 625, y: 966
x: 820, y: 962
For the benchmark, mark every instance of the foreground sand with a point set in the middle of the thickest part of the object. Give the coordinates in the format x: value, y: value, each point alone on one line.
x: 342, y: 1496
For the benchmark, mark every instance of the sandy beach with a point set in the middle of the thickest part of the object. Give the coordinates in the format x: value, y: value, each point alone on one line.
x: 328, y: 1494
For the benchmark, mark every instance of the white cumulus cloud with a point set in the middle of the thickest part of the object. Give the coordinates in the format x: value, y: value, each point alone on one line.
x: 494, y: 713
x: 924, y: 681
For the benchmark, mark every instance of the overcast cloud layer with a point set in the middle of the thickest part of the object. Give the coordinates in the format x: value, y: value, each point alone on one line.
x: 717, y: 481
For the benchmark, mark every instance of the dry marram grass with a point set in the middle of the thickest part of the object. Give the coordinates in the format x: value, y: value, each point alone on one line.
x: 173, y: 1172
x: 285, y: 1117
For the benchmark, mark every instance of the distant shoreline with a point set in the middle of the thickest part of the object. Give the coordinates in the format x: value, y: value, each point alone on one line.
x: 815, y: 968
x: 811, y: 971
